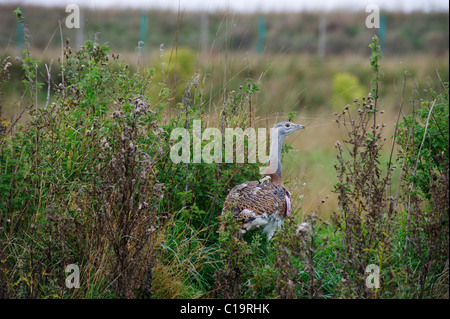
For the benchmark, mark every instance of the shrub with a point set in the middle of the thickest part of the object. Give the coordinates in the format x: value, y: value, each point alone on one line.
x: 346, y: 87
x: 407, y: 236
x: 423, y: 143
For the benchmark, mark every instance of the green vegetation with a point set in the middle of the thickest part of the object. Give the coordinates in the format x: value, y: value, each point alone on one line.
x: 89, y: 181
x: 345, y: 87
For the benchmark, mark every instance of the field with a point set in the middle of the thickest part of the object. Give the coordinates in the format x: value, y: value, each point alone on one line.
x: 86, y: 177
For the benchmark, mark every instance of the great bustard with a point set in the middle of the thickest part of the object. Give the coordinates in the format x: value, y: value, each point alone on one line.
x: 264, y: 203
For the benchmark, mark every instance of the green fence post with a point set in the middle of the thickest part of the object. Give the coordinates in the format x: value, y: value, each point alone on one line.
x: 144, y: 27
x: 382, y: 32
x: 261, y: 34
x: 20, y: 31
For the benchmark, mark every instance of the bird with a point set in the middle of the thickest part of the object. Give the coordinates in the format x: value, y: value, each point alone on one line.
x: 267, y: 202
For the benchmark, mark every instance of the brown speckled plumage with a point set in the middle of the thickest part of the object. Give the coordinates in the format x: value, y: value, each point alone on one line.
x: 260, y: 198
x: 258, y: 204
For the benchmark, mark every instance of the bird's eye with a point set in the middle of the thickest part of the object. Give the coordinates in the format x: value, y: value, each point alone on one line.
x: 287, y: 125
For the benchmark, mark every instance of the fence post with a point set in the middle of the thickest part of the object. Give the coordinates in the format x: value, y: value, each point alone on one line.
x: 382, y: 32
x: 261, y: 34
x: 80, y: 31
x: 204, y: 34
x: 144, y: 27
x: 322, y: 36
x: 20, y: 32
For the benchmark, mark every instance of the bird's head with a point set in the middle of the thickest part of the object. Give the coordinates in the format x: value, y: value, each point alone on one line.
x: 286, y: 128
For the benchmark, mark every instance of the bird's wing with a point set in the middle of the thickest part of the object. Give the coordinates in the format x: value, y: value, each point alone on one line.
x: 250, y: 199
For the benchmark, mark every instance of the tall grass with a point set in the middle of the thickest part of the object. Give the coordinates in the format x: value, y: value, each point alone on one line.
x: 89, y: 181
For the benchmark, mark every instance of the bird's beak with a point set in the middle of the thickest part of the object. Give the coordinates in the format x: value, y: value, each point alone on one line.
x: 298, y: 127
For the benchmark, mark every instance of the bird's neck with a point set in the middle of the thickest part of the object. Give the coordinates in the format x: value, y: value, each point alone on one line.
x: 273, y: 168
